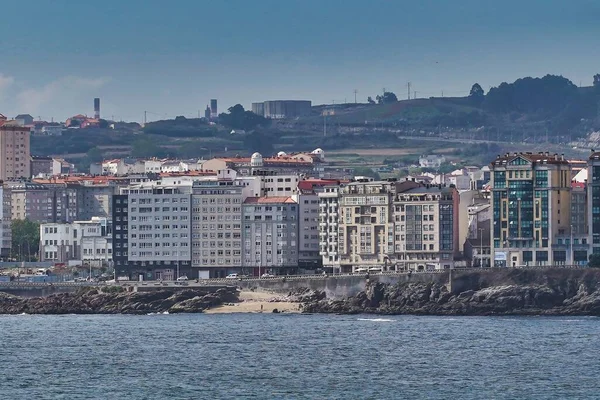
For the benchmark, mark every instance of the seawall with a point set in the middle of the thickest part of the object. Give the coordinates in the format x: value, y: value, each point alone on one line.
x: 337, y: 287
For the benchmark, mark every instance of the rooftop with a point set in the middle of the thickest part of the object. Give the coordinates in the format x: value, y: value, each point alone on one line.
x: 270, y: 200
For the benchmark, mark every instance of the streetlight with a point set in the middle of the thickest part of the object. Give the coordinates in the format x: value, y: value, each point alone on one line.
x: 572, y: 254
x: 480, y: 247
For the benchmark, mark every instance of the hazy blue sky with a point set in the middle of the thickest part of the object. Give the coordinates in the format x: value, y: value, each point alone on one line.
x: 171, y: 57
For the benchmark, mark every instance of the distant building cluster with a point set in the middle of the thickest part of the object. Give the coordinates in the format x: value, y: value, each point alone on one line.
x: 280, y: 109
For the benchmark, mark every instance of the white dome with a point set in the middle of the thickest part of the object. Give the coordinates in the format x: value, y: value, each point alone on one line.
x: 281, y: 154
x: 256, y: 160
x: 320, y: 153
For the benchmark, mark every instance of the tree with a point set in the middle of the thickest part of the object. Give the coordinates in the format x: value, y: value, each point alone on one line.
x: 594, y: 261
x: 25, y: 239
x: 545, y: 96
x: 597, y: 82
x: 387, y: 98
x: 258, y: 142
x: 477, y: 94
x: 370, y: 100
x: 238, y: 118
x: 144, y: 148
x: 102, y: 123
x: 94, y: 155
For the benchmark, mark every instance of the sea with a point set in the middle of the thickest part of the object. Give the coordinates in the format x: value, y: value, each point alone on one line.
x: 295, y: 356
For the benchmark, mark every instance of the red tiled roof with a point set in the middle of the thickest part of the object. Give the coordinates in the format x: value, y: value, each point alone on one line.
x: 578, y: 185
x: 269, y: 200
x: 309, y: 184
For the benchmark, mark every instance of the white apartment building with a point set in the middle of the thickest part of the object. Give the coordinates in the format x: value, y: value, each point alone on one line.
x: 280, y: 185
x: 329, y: 200
x: 270, y: 235
x: 78, y: 241
x: 216, y: 225
x: 159, y: 226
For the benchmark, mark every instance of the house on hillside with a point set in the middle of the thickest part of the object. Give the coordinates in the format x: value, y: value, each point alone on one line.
x: 24, y: 119
x: 431, y: 161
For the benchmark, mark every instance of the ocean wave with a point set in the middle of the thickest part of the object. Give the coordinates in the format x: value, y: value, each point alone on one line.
x: 375, y: 319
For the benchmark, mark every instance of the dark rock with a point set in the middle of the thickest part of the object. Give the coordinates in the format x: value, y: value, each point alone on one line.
x: 518, y: 292
x: 93, y: 301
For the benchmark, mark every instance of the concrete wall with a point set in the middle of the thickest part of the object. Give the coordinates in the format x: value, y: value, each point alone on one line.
x: 337, y: 287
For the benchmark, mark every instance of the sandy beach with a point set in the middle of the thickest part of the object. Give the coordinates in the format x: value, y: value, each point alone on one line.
x: 255, y: 302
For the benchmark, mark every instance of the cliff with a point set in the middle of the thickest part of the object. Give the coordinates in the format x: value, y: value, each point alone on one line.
x: 500, y: 292
x: 94, y: 301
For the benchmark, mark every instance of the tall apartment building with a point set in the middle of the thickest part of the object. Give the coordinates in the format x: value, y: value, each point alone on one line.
x: 42, y: 203
x: 593, y: 202
x: 425, y: 228
x: 157, y: 233
x: 94, y: 200
x: 216, y: 227
x: 531, y: 209
x: 270, y: 235
x: 5, y: 222
x: 14, y: 152
x: 329, y: 202
x: 365, y: 232
x: 308, y: 230
x: 309, y: 218
x: 120, y: 234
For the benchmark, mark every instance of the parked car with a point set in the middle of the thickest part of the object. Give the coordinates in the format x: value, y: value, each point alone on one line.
x: 232, y: 276
x: 266, y: 275
x: 182, y: 278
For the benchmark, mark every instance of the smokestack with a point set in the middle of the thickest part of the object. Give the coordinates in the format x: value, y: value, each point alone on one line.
x: 97, y: 108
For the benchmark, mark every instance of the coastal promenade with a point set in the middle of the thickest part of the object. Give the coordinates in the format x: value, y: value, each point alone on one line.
x: 335, y: 286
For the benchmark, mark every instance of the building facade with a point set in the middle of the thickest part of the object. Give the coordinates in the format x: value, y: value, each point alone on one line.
x: 426, y: 223
x: 270, y: 235
x: 365, y: 232
x: 216, y: 227
x: 329, y: 205
x: 14, y: 152
x: 88, y: 242
x: 531, y: 210
x: 159, y: 232
x: 5, y: 223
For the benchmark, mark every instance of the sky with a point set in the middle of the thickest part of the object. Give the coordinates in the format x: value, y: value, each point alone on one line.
x: 170, y: 58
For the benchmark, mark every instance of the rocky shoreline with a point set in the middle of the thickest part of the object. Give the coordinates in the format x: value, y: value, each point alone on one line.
x: 115, y: 301
x: 570, y: 297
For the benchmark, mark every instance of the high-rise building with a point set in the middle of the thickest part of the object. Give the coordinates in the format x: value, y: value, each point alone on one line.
x: 270, y: 235
x: 216, y: 227
x: 207, y: 113
x: 214, y: 113
x: 5, y: 222
x: 593, y: 202
x: 365, y: 232
x: 97, y: 108
x: 531, y: 210
x: 156, y: 237
x: 329, y: 201
x: 14, y: 152
x: 425, y: 228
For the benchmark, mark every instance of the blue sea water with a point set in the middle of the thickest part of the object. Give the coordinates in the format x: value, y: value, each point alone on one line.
x: 270, y: 356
